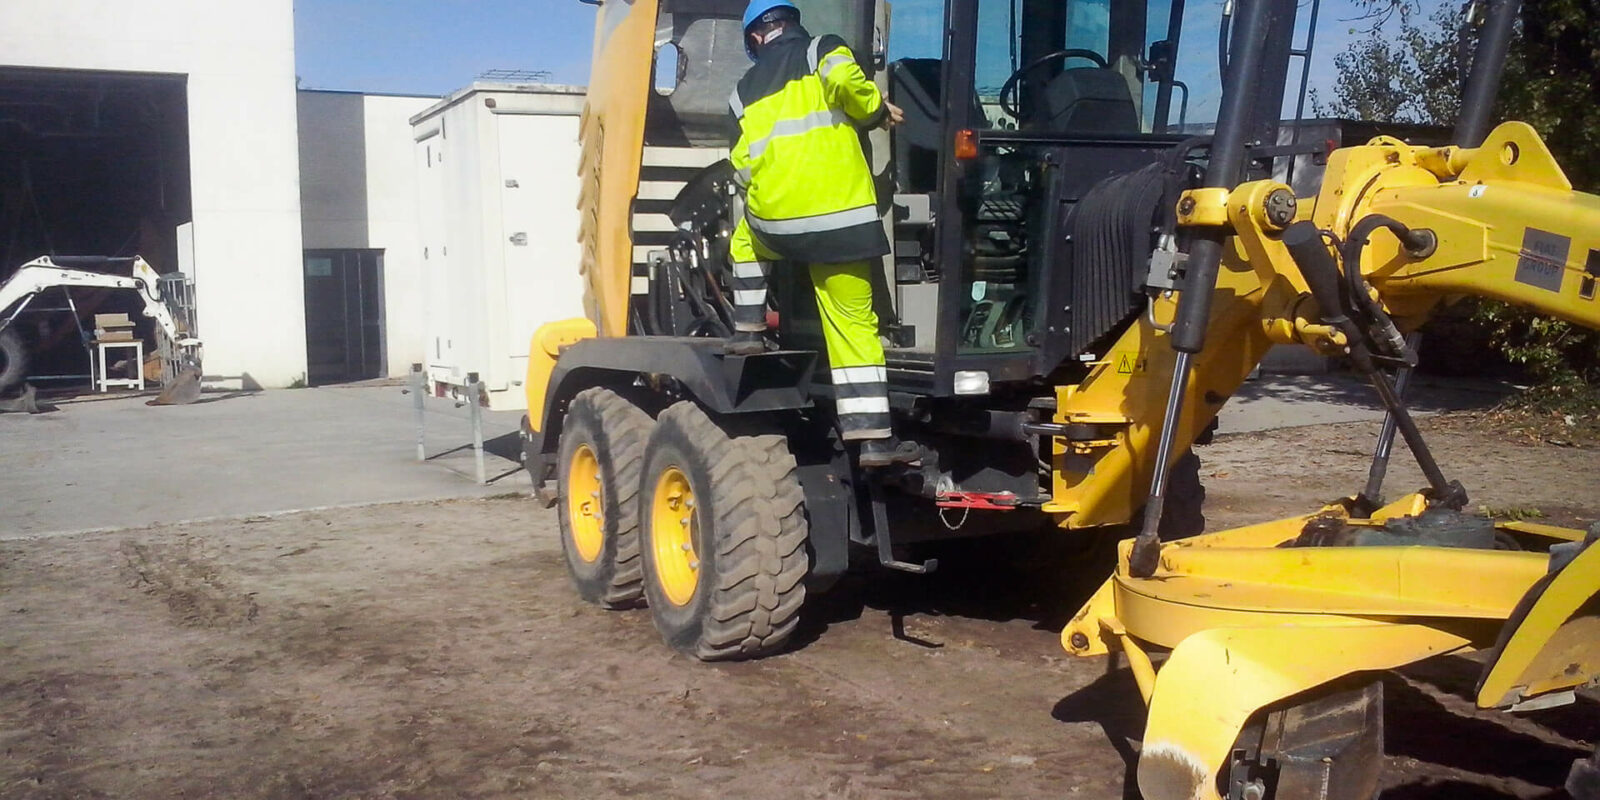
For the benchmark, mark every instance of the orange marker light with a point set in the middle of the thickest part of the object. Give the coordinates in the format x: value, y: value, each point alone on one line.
x: 966, y: 145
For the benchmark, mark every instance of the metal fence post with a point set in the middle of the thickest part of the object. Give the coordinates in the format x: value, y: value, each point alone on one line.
x: 416, y: 405
x: 474, y: 392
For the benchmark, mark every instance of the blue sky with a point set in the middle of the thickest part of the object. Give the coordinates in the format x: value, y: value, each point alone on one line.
x: 435, y: 46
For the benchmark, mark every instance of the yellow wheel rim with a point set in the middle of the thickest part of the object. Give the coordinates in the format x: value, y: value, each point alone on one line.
x: 673, y: 519
x: 584, y: 503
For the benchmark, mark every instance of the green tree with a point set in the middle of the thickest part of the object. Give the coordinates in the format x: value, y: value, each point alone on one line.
x: 1413, y: 77
x: 1552, y: 81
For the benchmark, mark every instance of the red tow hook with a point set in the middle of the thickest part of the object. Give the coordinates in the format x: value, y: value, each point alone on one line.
x: 983, y: 501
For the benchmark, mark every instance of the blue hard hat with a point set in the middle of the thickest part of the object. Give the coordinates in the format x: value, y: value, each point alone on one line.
x: 759, y: 8
x: 756, y: 8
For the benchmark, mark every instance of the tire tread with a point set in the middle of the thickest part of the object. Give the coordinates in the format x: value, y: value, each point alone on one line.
x: 760, y: 529
x: 627, y: 430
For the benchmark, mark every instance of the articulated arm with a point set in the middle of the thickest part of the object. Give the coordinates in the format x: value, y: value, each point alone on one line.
x: 42, y: 273
x: 1251, y: 622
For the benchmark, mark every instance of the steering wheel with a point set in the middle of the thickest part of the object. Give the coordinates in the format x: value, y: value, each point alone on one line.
x: 1008, y: 92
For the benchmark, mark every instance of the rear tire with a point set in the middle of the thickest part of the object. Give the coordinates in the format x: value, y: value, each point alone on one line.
x: 724, y: 533
x: 13, y: 360
x: 602, y: 448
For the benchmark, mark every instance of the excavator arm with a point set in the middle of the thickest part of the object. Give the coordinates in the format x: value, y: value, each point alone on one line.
x: 44, y: 273
x: 1263, y: 623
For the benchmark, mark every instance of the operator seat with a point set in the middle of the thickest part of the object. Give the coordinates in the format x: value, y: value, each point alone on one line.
x: 1087, y: 100
x: 915, y: 86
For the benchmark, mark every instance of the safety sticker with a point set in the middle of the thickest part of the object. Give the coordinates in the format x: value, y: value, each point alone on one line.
x: 1543, y: 259
x: 1129, y: 363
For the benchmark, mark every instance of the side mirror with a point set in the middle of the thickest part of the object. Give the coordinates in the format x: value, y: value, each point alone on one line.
x: 1162, y: 58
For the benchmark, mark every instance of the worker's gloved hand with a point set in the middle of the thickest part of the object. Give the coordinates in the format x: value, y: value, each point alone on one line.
x: 894, y: 117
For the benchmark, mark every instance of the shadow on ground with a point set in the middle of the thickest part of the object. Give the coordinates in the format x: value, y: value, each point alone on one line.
x: 1112, y: 702
x: 1342, y: 389
x: 1039, y: 578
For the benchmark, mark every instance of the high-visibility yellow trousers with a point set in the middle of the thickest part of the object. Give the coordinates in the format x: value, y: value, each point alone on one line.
x: 849, y: 329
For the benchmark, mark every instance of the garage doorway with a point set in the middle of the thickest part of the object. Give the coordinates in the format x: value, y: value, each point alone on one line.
x: 344, y: 315
x: 91, y: 163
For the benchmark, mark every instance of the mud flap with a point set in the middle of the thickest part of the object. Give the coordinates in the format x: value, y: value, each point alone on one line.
x: 1551, y: 642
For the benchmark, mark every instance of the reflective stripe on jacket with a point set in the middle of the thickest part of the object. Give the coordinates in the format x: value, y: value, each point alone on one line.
x: 810, y: 192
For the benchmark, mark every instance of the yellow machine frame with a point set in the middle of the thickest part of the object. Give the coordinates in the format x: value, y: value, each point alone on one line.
x: 1230, y: 605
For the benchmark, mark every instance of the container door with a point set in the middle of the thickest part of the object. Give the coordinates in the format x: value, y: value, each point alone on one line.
x: 538, y: 202
x: 438, y: 356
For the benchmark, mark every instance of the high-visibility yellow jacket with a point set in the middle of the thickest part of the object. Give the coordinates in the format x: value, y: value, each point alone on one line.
x: 809, y: 189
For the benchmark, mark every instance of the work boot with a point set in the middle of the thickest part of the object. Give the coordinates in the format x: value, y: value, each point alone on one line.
x: 745, y: 343
x: 877, y: 453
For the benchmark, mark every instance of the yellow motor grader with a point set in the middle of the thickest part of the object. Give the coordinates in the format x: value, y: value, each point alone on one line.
x: 1101, y: 223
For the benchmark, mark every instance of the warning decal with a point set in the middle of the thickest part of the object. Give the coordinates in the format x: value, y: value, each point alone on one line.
x: 1129, y: 363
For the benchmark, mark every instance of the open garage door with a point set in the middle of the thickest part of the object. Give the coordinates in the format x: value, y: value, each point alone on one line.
x: 91, y: 163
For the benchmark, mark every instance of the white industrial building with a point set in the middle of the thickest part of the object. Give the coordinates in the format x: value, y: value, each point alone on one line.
x: 360, y: 230
x: 173, y: 128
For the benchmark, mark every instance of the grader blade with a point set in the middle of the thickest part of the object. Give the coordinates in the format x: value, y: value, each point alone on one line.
x: 1197, y: 739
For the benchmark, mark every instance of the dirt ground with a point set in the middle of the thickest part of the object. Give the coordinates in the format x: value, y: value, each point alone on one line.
x: 436, y: 650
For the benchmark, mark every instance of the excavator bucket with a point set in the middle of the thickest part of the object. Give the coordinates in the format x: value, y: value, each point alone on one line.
x: 183, y: 390
x: 26, y: 403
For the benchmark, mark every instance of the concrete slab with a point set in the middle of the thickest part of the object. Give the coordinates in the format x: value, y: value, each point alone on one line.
x: 115, y: 463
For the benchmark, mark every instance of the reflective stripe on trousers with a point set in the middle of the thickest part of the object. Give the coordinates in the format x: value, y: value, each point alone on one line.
x: 750, y: 295
x: 862, y: 394
x: 849, y: 328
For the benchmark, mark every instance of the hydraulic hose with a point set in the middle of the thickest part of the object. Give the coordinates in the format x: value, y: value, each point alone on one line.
x: 1391, y: 340
x: 1305, y: 245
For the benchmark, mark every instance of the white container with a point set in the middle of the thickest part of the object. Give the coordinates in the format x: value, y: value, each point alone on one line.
x: 498, y: 190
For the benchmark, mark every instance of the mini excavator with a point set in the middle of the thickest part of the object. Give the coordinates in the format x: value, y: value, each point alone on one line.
x: 1101, y: 223
x: 180, y: 376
